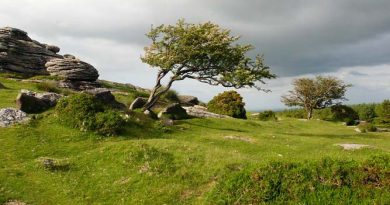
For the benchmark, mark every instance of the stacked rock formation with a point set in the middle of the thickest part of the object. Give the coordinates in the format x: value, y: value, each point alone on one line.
x: 19, y: 53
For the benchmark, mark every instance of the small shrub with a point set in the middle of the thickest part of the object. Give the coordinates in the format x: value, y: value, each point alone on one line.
x: 228, y: 103
x: 367, y: 127
x: 108, y: 123
x: 267, y: 115
x: 48, y: 87
x: 83, y: 111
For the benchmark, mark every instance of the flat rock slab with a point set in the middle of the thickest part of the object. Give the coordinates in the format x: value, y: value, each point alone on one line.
x: 245, y: 139
x: 15, y: 203
x: 353, y: 146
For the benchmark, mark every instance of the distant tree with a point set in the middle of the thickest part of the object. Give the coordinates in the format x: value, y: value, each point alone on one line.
x: 315, y: 93
x: 204, y: 52
x: 383, y: 109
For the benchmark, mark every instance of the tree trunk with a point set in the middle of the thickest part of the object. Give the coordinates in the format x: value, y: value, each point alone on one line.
x: 155, y: 94
x: 309, y: 113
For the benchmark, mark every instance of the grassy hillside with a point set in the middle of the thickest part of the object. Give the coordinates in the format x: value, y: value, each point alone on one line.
x: 153, y: 164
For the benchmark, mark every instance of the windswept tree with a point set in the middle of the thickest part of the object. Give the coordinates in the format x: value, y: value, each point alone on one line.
x: 204, y: 52
x: 316, y: 93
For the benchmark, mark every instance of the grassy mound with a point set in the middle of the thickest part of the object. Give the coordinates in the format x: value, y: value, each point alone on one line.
x: 324, y: 182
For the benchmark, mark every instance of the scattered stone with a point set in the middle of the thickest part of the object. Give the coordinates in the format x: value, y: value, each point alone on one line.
x: 139, y: 102
x: 187, y: 100
x: 200, y: 111
x: 353, y: 146
x: 358, y: 130
x: 173, y: 112
x: 105, y: 96
x: 245, y: 139
x: 78, y: 85
x: 255, y: 114
x: 9, y: 116
x: 72, y: 69
x: 31, y: 102
x: 52, y: 164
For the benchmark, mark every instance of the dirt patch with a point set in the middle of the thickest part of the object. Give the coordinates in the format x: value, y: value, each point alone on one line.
x: 353, y: 146
x: 245, y: 139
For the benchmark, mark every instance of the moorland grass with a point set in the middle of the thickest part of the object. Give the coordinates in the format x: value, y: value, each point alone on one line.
x: 152, y: 164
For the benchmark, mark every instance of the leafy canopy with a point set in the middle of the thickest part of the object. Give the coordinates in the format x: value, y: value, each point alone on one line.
x: 204, y: 52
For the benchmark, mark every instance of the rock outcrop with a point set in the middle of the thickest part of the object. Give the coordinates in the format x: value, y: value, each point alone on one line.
x: 200, y: 111
x: 19, y: 53
x: 173, y: 112
x: 72, y: 69
x: 187, y: 100
x: 31, y: 102
x: 9, y: 116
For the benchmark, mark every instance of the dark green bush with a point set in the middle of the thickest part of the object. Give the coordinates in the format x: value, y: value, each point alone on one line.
x: 345, y: 114
x: 367, y: 127
x: 324, y: 182
x: 83, y: 111
x: 267, y: 115
x: 228, y: 103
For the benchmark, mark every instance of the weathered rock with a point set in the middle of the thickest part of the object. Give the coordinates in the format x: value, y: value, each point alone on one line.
x: 139, y: 102
x: 19, y: 53
x: 187, y: 100
x: 72, y: 69
x: 9, y: 116
x: 200, y: 111
x: 150, y: 114
x: 105, y: 96
x: 78, y: 85
x: 173, y: 112
x: 54, y: 49
x: 15, y: 202
x: 31, y: 102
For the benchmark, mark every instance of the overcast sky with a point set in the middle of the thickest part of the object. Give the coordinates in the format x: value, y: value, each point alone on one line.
x: 349, y: 39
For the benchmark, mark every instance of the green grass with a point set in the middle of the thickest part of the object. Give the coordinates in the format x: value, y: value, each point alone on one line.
x: 152, y: 164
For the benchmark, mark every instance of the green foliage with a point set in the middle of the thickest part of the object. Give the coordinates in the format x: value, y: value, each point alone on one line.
x: 48, y: 87
x: 383, y: 109
x: 83, y: 111
x: 323, y: 114
x: 345, y: 114
x: 366, y: 111
x: 335, y: 181
x: 367, y: 127
x: 228, y: 103
x: 108, y: 123
x: 267, y: 115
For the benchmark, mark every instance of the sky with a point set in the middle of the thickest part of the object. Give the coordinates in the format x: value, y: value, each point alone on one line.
x: 349, y: 39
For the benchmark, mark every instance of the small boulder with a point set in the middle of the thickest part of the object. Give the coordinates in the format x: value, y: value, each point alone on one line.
x: 9, y: 116
x: 105, y: 96
x: 31, y: 102
x: 54, y: 49
x: 200, y: 111
x: 173, y: 112
x: 150, y: 114
x: 187, y: 100
x: 139, y: 102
